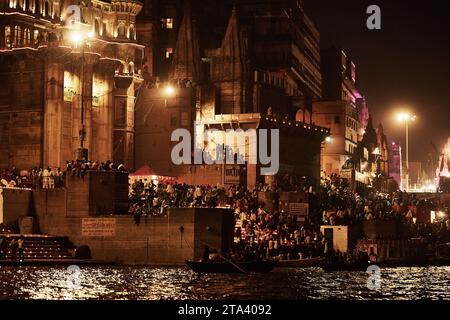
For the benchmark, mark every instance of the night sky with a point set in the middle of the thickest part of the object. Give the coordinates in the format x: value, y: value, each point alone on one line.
x: 407, y: 62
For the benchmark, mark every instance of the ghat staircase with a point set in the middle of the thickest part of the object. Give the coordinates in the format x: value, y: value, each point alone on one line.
x: 41, y: 247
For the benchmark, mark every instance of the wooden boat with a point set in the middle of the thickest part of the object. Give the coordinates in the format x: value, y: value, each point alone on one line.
x: 300, y: 263
x: 231, y: 267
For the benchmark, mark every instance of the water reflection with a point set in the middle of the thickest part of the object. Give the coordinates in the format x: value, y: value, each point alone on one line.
x: 180, y: 283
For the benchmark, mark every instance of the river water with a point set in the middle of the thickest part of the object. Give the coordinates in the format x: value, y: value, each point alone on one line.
x: 136, y: 283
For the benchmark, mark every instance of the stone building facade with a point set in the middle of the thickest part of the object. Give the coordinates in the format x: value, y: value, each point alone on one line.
x: 57, y: 59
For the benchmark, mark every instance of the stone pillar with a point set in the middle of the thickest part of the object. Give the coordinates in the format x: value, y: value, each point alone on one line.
x: 86, y: 77
x: 123, y: 123
x: 53, y: 104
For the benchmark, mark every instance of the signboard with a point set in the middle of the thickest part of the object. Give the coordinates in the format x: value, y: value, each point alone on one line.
x: 233, y: 174
x: 298, y: 209
x: 346, y: 174
x: 98, y: 227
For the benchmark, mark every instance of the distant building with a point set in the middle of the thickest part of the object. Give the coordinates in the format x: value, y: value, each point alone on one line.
x: 382, y: 152
x: 395, y: 163
x: 338, y: 109
x: 356, y: 150
x: 443, y: 170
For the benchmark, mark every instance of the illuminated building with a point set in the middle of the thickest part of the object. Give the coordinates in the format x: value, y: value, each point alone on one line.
x: 55, y: 61
x: 339, y: 109
x: 443, y: 170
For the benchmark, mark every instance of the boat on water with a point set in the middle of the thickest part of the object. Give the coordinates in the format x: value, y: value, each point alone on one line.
x: 300, y: 263
x: 231, y: 267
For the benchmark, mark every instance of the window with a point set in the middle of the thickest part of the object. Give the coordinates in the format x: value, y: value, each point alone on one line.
x: 96, y: 27
x: 167, y: 23
x: 169, y: 52
x: 36, y: 37
x: 17, y: 36
x: 8, y: 37
x: 184, y: 119
x: 104, y: 29
x: 46, y: 8
x: 27, y: 36
x: 121, y: 30
x: 132, y: 33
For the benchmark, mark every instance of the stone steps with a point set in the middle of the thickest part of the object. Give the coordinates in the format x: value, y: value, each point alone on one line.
x: 42, y: 247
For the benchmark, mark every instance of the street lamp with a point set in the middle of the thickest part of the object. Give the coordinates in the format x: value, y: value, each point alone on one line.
x: 168, y: 92
x: 80, y: 39
x: 406, y: 118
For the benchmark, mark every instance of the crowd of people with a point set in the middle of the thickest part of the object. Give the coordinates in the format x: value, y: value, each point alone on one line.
x: 52, y: 177
x: 265, y: 233
x: 79, y: 168
x: 342, y: 206
x: 46, y: 178
x: 263, y: 229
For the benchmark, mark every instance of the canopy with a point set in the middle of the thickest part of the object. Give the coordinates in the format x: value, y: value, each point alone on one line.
x: 143, y: 171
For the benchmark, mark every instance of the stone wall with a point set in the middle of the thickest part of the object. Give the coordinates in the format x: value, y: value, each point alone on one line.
x: 169, y: 240
x: 380, y: 229
x: 15, y: 205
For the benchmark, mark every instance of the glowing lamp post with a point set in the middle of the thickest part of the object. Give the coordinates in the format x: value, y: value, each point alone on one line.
x: 80, y: 39
x: 168, y: 92
x: 406, y: 118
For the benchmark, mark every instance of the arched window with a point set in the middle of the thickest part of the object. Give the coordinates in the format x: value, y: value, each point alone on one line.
x: 121, y: 30
x: 104, y: 29
x: 46, y: 8
x: 96, y: 27
x: 131, y: 67
x: 17, y: 36
x: 7, y: 36
x: 132, y: 33
x: 26, y: 36
x: 36, y: 37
